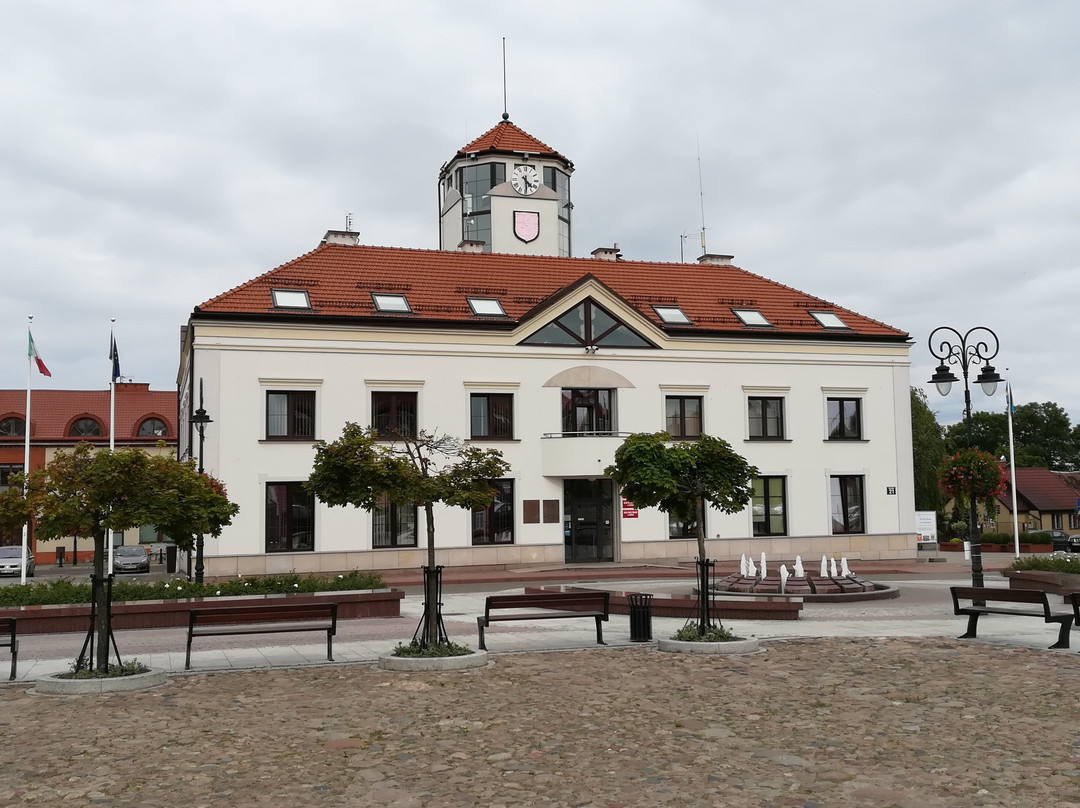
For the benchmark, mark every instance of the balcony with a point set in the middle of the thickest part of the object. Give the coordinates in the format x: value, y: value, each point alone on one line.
x: 578, y: 454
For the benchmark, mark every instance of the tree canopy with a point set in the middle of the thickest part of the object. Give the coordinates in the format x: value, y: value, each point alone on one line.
x: 681, y: 478
x: 928, y: 449
x: 1043, y: 436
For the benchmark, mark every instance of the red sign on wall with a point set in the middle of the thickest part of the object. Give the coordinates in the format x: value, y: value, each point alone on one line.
x: 629, y: 509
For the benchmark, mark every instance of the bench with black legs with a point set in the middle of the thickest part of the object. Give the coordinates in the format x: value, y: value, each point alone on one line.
x: 9, y: 638
x: 544, y: 606
x: 984, y: 600
x: 263, y: 619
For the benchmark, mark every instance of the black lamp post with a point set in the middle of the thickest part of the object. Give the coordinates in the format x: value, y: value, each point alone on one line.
x: 199, y: 420
x: 978, y: 346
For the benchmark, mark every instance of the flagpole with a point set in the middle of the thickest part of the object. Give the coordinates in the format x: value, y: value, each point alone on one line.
x: 26, y: 450
x: 1012, y: 466
x: 112, y: 417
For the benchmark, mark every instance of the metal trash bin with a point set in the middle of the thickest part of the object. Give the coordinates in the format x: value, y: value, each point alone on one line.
x: 60, y: 556
x: 640, y: 617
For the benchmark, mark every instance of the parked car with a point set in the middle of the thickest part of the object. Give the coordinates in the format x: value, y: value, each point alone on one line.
x: 131, y: 558
x: 11, y: 561
x: 1062, y: 542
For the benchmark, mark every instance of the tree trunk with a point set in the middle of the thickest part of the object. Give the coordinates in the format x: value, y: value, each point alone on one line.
x: 100, y: 597
x: 431, y: 593
x: 700, y: 508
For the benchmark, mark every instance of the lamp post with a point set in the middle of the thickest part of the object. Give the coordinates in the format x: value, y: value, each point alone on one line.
x: 978, y: 346
x: 199, y: 420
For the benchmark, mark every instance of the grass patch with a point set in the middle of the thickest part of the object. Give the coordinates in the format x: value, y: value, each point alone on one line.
x: 65, y: 590
x: 415, y: 649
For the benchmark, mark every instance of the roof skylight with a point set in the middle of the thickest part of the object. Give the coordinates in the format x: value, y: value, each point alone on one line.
x: 391, y: 303
x: 290, y: 299
x: 751, y: 317
x: 486, y: 307
x: 828, y: 319
x: 672, y: 315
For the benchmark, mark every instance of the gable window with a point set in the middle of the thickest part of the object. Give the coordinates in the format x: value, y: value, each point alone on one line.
x: 290, y: 518
x: 393, y: 525
x: 495, y: 524
x: 846, y: 504
x: 391, y: 303
x: 290, y: 299
x: 12, y: 428
x: 683, y: 419
x: 153, y: 428
x: 290, y: 414
x: 394, y: 413
x: 85, y: 428
x: 492, y: 416
x: 766, y: 418
x: 845, y: 418
x: 587, y: 324
x: 769, y: 506
x: 587, y: 412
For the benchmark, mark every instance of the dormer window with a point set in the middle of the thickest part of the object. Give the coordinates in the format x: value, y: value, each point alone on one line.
x: 290, y: 299
x: 391, y: 303
x: 751, y: 317
x: 486, y: 307
x: 672, y: 315
x: 828, y: 320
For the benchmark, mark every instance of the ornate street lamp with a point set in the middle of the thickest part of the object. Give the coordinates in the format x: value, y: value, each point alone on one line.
x: 199, y: 421
x: 978, y: 346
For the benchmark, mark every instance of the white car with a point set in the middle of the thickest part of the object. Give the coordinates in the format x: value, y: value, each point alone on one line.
x: 11, y: 558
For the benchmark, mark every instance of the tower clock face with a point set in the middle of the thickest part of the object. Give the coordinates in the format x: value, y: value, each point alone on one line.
x: 525, y: 179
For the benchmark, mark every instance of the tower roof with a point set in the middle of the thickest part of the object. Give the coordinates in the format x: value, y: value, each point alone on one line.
x: 507, y: 138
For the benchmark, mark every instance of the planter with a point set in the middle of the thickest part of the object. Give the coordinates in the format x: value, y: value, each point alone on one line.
x: 952, y: 547
x: 55, y: 619
x: 54, y: 685
x: 477, y: 659
x: 732, y: 648
x: 1058, y: 583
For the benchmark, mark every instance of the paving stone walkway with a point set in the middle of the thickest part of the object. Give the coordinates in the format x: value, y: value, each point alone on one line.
x: 808, y: 723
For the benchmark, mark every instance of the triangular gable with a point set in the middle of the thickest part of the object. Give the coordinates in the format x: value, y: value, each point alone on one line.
x: 588, y: 314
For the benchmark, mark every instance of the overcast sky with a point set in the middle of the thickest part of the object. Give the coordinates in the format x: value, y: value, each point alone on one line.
x: 915, y: 161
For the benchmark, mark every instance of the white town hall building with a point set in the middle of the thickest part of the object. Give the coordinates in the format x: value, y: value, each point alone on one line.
x: 503, y: 339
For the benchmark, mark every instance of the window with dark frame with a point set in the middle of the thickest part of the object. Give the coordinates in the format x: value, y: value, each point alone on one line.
x: 492, y: 416
x: 394, y: 414
x: 393, y: 524
x: 681, y: 528
x: 766, y: 418
x: 153, y: 428
x: 847, y: 504
x: 587, y: 324
x: 587, y: 412
x: 85, y: 428
x: 12, y: 428
x: 845, y: 418
x: 683, y: 417
x: 475, y: 181
x: 495, y: 524
x: 290, y: 415
x: 290, y: 518
x: 769, y: 506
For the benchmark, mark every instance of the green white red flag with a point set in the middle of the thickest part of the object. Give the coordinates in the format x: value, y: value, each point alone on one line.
x: 36, y: 357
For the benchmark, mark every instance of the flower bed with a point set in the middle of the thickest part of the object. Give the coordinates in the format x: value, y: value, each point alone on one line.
x: 57, y: 618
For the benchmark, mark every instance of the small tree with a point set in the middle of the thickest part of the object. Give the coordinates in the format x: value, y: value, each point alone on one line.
x: 86, y: 493
x: 362, y: 469
x: 681, y: 478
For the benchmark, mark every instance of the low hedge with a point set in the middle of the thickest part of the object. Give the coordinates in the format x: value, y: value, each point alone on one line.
x: 1054, y: 563
x: 65, y: 590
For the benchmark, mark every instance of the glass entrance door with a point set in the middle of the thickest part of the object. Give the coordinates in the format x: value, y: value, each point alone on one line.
x: 588, y: 528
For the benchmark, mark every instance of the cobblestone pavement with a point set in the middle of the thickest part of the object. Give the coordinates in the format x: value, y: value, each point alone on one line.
x: 904, y: 722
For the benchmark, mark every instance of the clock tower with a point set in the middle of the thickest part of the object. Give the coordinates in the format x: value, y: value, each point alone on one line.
x: 506, y: 192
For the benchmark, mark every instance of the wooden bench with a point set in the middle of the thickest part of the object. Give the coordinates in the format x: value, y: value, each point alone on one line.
x: 544, y: 606
x: 988, y: 595
x: 263, y: 619
x: 10, y: 639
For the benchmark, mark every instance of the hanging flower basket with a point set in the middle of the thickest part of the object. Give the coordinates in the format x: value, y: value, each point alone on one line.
x: 973, y: 474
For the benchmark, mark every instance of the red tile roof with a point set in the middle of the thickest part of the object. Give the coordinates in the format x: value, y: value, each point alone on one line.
x: 506, y: 138
x: 1045, y: 490
x: 53, y: 411
x: 340, y: 280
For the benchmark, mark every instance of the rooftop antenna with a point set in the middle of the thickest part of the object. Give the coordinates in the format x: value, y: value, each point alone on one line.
x: 701, y: 194
x: 506, y: 115
x: 348, y: 222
